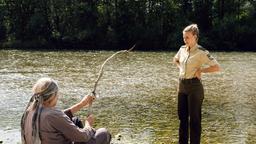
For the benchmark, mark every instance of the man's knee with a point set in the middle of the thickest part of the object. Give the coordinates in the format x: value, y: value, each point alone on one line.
x: 102, y: 136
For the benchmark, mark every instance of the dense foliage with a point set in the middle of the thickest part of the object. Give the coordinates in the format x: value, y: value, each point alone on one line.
x: 117, y: 24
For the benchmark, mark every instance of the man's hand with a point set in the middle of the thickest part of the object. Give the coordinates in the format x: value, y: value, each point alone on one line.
x: 89, y: 121
x: 87, y: 100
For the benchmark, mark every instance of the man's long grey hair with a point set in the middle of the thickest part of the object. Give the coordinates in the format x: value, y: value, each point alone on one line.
x: 42, y: 91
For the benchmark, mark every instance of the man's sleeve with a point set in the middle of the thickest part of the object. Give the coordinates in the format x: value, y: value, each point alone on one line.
x: 68, y: 113
x: 63, y: 123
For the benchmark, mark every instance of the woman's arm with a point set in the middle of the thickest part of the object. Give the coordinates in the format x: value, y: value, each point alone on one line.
x: 210, y: 69
x: 214, y: 68
x: 176, y: 61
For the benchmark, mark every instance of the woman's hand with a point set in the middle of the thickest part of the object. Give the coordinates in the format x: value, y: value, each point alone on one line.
x: 177, y: 62
x: 198, y: 73
x: 209, y: 69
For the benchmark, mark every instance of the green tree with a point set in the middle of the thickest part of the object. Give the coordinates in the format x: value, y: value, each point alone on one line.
x: 2, y: 21
x: 114, y: 24
x: 28, y: 19
x: 203, y: 14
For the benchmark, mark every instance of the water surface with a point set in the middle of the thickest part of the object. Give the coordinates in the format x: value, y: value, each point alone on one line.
x: 137, y: 93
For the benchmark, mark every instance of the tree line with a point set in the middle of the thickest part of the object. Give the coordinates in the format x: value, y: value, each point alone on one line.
x: 225, y: 25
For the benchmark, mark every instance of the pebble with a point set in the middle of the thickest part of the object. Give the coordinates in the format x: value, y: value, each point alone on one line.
x: 118, y: 137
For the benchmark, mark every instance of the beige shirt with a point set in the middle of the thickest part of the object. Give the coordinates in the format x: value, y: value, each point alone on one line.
x: 193, y: 59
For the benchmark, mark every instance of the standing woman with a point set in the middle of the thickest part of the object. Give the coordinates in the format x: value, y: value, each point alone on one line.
x: 42, y: 123
x: 190, y: 60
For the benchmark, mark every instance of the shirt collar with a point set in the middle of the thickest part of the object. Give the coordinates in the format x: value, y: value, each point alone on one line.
x: 192, y: 49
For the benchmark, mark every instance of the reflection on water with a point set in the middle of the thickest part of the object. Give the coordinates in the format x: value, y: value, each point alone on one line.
x: 137, y: 93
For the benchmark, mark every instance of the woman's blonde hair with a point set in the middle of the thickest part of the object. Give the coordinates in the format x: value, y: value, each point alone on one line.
x: 193, y: 28
x: 43, y: 89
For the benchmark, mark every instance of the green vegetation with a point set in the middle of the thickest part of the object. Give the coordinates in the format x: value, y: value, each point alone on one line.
x: 117, y: 24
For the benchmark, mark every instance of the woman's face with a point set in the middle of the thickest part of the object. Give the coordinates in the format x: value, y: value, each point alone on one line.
x: 189, y: 39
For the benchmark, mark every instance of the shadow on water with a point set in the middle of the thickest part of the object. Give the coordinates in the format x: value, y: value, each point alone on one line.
x: 137, y: 93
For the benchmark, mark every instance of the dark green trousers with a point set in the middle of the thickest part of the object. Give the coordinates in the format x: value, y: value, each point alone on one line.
x: 190, y: 99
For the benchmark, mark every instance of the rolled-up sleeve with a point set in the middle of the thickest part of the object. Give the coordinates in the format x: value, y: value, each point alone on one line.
x: 68, y: 113
x: 207, y: 58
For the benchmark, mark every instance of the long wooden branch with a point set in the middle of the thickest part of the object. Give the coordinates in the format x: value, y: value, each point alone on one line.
x: 101, y: 71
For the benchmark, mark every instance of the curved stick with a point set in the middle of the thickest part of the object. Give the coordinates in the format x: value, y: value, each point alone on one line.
x: 102, y: 67
x: 101, y: 72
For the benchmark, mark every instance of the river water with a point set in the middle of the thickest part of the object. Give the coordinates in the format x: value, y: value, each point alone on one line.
x: 137, y: 95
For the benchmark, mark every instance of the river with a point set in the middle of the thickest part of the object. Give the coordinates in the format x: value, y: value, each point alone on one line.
x: 137, y: 95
